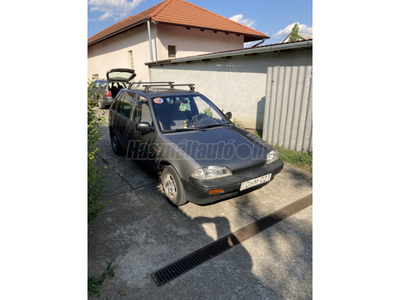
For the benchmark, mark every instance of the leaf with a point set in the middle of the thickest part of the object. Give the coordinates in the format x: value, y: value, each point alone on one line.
x: 122, y: 292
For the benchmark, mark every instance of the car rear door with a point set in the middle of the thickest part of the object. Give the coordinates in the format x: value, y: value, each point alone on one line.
x: 120, y: 75
x: 124, y: 118
x: 117, y: 78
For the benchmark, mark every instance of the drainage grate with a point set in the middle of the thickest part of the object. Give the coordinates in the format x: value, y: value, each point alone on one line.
x: 206, y: 253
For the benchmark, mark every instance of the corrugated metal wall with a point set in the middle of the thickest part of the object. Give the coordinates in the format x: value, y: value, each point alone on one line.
x: 288, y: 107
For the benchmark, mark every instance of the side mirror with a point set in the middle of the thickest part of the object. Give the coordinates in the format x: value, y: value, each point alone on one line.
x: 144, y: 127
x: 228, y: 115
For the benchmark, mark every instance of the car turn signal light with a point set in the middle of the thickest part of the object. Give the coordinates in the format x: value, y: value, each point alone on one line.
x: 217, y: 191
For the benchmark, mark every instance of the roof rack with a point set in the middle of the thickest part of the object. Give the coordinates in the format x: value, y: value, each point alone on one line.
x: 166, y: 84
x: 154, y: 82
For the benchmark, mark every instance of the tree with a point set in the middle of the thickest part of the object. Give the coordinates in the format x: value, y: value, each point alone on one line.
x: 294, y: 35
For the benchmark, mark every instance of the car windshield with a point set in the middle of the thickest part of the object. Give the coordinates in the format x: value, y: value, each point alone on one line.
x: 186, y: 112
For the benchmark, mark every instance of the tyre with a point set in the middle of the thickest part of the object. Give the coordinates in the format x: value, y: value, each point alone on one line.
x: 116, y: 146
x: 172, y: 186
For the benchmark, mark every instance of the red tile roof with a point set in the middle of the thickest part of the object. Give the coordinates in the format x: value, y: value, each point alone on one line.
x: 181, y: 13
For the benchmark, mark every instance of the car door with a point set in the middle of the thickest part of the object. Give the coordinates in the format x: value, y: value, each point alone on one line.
x: 124, y: 114
x: 113, y: 116
x: 129, y: 125
x: 120, y: 75
x: 143, y: 141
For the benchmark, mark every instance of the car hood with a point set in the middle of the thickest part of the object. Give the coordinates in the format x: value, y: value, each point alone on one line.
x: 225, y: 146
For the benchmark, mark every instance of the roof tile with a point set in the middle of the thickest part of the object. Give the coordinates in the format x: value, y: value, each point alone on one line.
x: 182, y: 13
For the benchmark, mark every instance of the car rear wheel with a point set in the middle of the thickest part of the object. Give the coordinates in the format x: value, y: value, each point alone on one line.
x: 116, y: 146
x: 172, y: 186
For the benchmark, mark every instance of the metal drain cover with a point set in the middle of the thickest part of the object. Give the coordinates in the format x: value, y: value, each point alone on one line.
x: 214, y: 249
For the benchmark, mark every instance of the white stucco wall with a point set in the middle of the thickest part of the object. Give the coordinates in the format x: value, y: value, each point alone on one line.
x: 114, y: 52
x: 237, y: 84
x: 194, y: 41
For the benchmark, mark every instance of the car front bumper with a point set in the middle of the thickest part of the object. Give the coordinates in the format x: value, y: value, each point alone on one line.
x: 198, y: 191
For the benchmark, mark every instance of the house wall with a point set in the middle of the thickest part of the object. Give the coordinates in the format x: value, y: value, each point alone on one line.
x: 240, y: 84
x: 114, y: 52
x: 194, y: 41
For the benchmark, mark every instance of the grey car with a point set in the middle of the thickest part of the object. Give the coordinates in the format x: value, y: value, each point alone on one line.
x: 105, y: 90
x: 199, y: 154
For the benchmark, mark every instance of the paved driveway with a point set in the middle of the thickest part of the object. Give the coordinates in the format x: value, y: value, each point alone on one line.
x: 143, y: 232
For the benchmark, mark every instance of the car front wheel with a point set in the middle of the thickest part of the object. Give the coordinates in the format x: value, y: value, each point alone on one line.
x: 172, y: 186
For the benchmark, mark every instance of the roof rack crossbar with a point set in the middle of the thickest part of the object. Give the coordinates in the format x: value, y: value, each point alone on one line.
x: 153, y: 82
x: 170, y: 84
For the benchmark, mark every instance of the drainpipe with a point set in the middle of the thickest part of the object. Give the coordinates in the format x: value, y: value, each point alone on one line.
x: 151, y: 47
x: 258, y: 43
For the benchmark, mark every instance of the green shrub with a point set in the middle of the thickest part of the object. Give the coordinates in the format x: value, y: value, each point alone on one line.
x: 96, y: 175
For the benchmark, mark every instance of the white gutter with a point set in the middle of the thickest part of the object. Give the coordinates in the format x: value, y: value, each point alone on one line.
x: 151, y: 47
x: 242, y: 51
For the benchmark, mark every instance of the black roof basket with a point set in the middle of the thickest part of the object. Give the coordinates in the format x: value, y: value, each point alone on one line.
x: 171, y: 84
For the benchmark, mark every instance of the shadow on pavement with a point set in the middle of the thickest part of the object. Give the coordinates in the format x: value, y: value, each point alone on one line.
x: 144, y: 233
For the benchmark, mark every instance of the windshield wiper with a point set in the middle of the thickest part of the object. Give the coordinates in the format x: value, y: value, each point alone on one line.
x: 212, y: 125
x: 181, y: 129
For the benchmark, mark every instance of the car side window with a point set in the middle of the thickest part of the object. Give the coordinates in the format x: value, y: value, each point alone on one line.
x: 115, y: 104
x: 103, y: 84
x: 125, y: 105
x: 97, y: 84
x: 142, y: 111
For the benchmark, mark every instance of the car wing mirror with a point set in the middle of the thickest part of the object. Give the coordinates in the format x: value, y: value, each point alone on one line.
x: 228, y: 115
x: 144, y: 127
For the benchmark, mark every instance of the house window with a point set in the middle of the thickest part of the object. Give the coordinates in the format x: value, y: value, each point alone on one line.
x: 130, y: 57
x: 95, y: 76
x: 171, y: 51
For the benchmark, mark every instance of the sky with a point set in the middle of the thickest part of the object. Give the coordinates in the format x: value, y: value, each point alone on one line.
x: 274, y: 18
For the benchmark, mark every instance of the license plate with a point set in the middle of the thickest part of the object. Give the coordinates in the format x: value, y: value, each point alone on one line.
x: 253, y: 182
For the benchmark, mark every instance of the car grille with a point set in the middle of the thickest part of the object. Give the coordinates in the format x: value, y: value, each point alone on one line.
x: 252, y: 167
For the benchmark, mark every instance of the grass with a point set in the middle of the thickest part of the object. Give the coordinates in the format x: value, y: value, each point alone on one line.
x: 302, y: 160
x: 238, y: 123
x: 94, y: 284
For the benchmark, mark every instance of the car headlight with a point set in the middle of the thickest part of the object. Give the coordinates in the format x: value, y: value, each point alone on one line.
x: 272, y: 157
x: 211, y: 172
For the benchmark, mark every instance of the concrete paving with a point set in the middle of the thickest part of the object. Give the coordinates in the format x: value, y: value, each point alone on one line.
x: 144, y: 232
